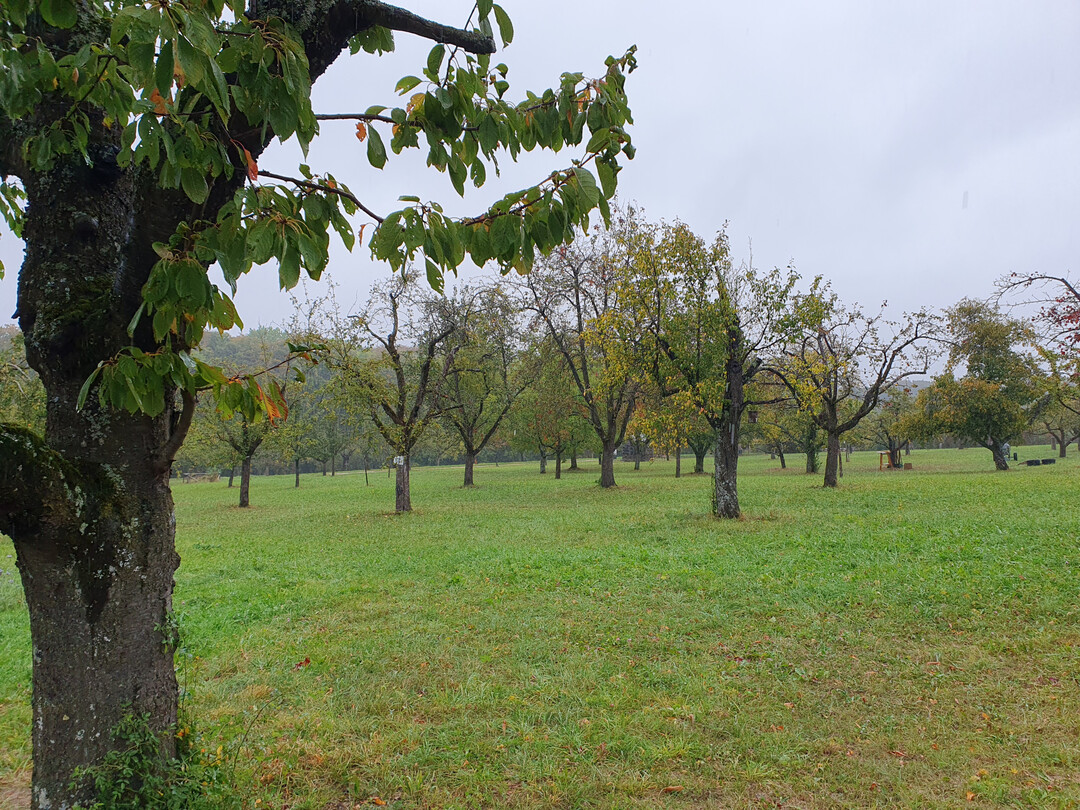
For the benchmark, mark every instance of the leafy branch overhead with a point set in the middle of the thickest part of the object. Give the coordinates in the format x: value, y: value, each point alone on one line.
x: 185, y: 95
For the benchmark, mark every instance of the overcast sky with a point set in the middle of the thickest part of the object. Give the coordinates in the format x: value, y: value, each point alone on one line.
x: 913, y: 153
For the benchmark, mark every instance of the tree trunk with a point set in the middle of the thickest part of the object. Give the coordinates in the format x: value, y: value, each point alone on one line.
x: 333, y: 465
x: 324, y: 468
x: 558, y: 464
x: 725, y: 477
x: 573, y: 460
x: 699, y: 459
x: 1001, y: 461
x: 90, y: 514
x: 367, y: 483
x: 403, y: 497
x: 232, y: 474
x: 894, y: 455
x: 607, y: 466
x: 678, y: 462
x: 832, y: 459
x: 780, y: 454
x: 543, y: 463
x: 470, y: 459
x: 1061, y: 449
x: 296, y: 467
x: 245, y: 482
x: 637, y: 462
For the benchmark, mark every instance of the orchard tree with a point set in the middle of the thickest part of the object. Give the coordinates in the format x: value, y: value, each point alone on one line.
x: 705, y: 327
x: 890, y: 426
x: 394, y: 359
x: 841, y: 367
x: 549, y: 417
x: 997, y: 395
x: 576, y: 297
x: 1057, y: 299
x: 135, y: 131
x: 486, y: 375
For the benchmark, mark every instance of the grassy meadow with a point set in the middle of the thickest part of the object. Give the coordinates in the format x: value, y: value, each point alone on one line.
x: 909, y: 639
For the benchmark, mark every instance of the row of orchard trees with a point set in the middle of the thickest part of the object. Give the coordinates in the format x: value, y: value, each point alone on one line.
x: 644, y: 331
x: 641, y: 332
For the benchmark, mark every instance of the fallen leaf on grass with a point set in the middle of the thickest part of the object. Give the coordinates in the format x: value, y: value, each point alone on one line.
x: 672, y: 789
x: 900, y: 754
x: 301, y: 664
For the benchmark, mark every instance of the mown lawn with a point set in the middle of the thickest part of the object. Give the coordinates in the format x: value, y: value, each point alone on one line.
x: 910, y: 639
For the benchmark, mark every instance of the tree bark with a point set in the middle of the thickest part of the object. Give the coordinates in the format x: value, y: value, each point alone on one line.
x: 232, y: 474
x: 1001, y: 461
x: 543, y: 463
x: 780, y: 455
x: 699, y: 460
x: 725, y: 477
x: 607, y: 466
x: 403, y: 497
x: 94, y: 548
x: 245, y: 482
x: 333, y: 465
x: 296, y: 467
x: 832, y: 459
x: 470, y: 459
x: 678, y: 462
x: 1061, y: 449
x: 573, y: 460
x: 558, y: 464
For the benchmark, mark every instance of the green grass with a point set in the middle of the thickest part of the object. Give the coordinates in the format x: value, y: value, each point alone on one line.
x: 909, y: 639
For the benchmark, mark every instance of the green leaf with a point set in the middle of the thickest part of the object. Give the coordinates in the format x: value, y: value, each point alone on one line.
x: 59, y: 13
x: 434, y: 275
x: 376, y: 151
x: 406, y: 83
x: 193, y: 182
x: 289, y: 269
x: 434, y: 60
x: 191, y: 283
x: 506, y: 28
x: 483, y: 7
x: 86, y: 387
x: 163, y: 73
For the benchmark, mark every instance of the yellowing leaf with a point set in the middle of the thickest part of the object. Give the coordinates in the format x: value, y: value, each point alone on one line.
x: 361, y: 131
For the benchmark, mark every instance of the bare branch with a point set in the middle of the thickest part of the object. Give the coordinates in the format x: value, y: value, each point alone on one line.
x: 323, y: 188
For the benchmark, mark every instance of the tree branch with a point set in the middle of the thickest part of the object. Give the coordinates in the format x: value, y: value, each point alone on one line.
x: 179, y: 433
x: 399, y: 19
x: 327, y: 26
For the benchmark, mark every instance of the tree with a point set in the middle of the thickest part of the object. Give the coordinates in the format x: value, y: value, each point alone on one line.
x: 1058, y: 302
x: 575, y: 296
x: 398, y: 383
x: 549, y: 417
x: 135, y: 130
x: 705, y: 326
x: 486, y: 375
x: 262, y: 353
x: 997, y: 397
x: 841, y: 367
x: 672, y: 423
x: 890, y: 426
